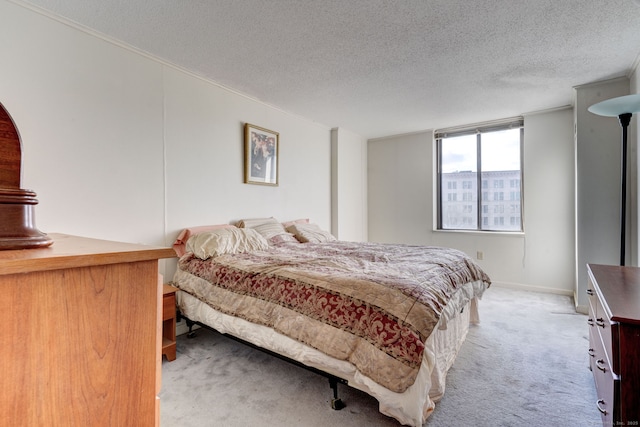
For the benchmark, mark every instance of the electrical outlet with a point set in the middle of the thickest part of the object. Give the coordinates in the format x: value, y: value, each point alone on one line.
x: 480, y: 255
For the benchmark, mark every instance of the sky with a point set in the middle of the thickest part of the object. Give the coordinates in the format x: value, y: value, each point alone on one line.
x: 500, y: 151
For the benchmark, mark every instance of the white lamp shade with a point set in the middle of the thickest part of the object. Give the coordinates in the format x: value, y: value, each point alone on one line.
x: 615, y: 106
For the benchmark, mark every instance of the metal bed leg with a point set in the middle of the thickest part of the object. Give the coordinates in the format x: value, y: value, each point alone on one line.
x: 336, y: 402
x: 190, y: 323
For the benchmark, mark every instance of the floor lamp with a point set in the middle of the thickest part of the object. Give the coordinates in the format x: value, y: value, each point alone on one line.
x: 622, y: 107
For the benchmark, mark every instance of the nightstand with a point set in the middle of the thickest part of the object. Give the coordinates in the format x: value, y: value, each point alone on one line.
x: 169, y: 322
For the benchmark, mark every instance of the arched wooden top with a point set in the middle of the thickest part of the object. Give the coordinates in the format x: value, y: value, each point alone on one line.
x: 17, y: 216
x: 10, y: 152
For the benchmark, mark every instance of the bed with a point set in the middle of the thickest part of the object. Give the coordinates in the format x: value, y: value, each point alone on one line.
x: 387, y: 319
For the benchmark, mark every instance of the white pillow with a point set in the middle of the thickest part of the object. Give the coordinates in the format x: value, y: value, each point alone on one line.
x: 310, y: 233
x: 252, y: 222
x: 226, y: 241
x: 270, y: 229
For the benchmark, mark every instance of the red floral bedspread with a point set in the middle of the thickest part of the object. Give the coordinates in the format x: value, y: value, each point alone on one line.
x: 371, y: 304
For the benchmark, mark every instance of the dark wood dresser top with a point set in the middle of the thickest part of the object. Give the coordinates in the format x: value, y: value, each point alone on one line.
x: 620, y: 291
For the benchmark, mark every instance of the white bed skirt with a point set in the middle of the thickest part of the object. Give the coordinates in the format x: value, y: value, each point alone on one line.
x: 411, y: 407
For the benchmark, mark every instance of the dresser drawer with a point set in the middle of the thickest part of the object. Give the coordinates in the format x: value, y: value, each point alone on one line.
x: 598, y: 361
x: 606, y: 381
x: 169, y: 306
x: 608, y: 332
x: 607, y: 388
x: 593, y: 297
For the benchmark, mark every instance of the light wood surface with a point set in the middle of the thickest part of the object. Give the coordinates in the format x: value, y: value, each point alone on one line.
x: 71, y: 251
x: 81, y: 334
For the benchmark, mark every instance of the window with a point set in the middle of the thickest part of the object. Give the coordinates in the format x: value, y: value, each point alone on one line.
x: 487, y: 162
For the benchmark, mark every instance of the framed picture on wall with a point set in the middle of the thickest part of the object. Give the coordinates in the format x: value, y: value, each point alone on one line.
x: 261, y: 152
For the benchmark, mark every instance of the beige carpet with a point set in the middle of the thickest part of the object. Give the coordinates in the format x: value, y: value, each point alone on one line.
x: 524, y: 365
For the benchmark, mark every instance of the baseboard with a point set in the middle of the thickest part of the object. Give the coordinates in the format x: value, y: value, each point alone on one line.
x: 522, y: 287
x: 582, y: 309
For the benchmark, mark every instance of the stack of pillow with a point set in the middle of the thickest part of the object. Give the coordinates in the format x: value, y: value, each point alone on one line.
x: 293, y: 231
x: 250, y: 235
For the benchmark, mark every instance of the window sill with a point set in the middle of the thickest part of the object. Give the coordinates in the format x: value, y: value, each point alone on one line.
x: 483, y: 233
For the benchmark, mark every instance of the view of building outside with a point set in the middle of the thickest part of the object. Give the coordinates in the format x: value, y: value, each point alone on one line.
x: 499, y: 180
x: 500, y: 205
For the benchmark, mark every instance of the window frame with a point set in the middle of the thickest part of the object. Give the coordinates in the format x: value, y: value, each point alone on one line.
x: 478, y: 130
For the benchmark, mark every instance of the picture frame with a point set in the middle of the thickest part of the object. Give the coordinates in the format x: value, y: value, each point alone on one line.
x: 261, y: 155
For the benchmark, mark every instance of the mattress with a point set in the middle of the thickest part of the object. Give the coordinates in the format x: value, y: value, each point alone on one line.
x: 411, y: 407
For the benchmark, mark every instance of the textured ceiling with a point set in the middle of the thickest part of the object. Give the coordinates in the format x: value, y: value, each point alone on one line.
x: 378, y: 67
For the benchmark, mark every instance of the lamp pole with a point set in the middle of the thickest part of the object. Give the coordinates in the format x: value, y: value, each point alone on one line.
x: 625, y: 119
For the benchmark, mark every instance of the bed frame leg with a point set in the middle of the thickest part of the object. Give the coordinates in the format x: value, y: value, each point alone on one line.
x: 190, y: 323
x: 336, y: 402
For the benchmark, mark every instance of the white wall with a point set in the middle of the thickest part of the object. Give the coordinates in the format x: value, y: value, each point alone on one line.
x: 598, y: 143
x: 204, y: 156
x: 349, y: 185
x: 402, y: 205
x: 634, y: 138
x: 120, y: 146
x: 90, y: 119
x: 400, y: 189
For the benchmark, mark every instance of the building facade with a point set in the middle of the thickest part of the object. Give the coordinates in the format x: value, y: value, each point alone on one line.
x: 500, y: 201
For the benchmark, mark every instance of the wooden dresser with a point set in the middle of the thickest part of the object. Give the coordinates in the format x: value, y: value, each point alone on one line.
x: 80, y: 338
x: 614, y: 341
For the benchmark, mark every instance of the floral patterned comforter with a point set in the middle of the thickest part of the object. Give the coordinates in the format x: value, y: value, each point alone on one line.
x: 371, y: 304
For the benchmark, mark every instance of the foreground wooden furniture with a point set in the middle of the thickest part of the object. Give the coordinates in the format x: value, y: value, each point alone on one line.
x: 614, y: 341
x: 81, y: 334
x: 169, y: 322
